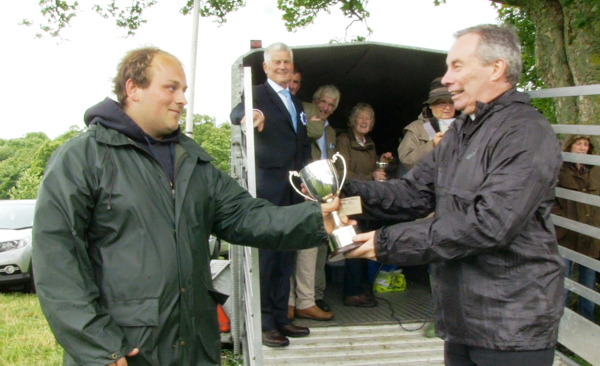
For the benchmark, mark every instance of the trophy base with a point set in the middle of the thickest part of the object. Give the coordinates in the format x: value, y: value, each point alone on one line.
x: 338, y: 255
x: 341, y: 242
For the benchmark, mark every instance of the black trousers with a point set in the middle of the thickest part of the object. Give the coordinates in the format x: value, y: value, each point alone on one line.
x: 276, y: 268
x: 461, y: 355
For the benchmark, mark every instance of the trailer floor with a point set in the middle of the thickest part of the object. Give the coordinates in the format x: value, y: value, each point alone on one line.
x: 410, y: 306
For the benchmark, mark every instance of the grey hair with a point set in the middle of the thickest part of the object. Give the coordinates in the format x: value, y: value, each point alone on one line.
x: 328, y: 91
x: 279, y: 46
x: 362, y: 107
x: 496, y: 42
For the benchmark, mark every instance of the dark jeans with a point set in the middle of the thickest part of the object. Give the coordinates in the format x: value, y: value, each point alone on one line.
x: 356, y: 281
x: 587, y: 277
x: 461, y: 355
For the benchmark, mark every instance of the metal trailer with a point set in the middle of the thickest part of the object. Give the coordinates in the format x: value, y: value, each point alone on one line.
x: 395, y: 81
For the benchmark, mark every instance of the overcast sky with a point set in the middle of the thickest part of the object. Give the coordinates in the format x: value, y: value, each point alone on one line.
x: 48, y: 86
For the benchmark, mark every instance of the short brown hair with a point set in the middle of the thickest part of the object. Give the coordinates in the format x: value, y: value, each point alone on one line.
x: 361, y: 107
x: 135, y: 66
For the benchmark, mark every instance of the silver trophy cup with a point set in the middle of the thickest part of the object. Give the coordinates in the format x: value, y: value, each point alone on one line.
x: 322, y: 183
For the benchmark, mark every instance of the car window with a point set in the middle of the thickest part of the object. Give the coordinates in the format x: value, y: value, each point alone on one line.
x: 13, y: 217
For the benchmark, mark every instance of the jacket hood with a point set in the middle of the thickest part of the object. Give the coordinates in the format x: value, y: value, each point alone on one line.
x: 566, y: 146
x: 110, y: 114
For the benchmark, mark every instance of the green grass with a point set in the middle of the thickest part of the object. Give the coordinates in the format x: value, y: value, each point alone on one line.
x: 25, y: 337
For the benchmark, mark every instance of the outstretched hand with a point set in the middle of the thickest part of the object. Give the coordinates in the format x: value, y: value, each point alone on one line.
x: 367, y: 249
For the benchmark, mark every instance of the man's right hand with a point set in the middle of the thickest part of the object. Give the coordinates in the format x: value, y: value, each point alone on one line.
x: 259, y: 120
x: 327, y: 208
x: 123, y: 361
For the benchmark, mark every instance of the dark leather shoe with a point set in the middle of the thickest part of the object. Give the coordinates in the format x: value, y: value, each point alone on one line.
x: 322, y: 305
x: 291, y: 330
x: 313, y: 313
x: 272, y: 338
x: 362, y: 301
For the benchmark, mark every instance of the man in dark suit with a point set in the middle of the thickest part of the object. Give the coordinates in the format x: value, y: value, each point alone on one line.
x: 281, y: 146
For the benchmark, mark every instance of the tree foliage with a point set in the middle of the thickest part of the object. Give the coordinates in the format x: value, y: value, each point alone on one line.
x: 567, y: 51
x: 16, y: 156
x: 21, y: 170
x: 23, y: 160
x: 530, y: 79
x: 128, y: 15
x: 215, y: 140
x: 563, y: 34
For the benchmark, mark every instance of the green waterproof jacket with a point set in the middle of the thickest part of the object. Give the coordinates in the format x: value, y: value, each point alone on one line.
x: 121, y: 257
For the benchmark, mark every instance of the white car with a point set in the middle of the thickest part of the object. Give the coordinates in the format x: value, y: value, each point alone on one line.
x: 16, y: 220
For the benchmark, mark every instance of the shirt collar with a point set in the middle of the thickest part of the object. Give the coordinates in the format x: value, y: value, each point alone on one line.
x: 275, y: 86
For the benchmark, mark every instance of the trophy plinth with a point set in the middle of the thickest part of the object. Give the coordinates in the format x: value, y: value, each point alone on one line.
x: 322, y: 184
x: 341, y: 242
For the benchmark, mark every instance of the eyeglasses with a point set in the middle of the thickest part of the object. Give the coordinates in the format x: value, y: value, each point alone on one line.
x: 443, y: 104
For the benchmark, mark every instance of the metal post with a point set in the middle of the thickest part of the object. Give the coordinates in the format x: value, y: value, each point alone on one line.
x: 248, y: 103
x: 189, y: 118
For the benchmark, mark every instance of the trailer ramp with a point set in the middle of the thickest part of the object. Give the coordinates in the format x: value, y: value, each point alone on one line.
x: 393, y: 333
x: 359, y: 345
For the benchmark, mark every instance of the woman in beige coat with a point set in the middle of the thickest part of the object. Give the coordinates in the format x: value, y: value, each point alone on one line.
x: 422, y: 135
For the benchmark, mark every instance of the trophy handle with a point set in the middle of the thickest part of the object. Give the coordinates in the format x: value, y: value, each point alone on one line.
x: 295, y: 174
x: 333, y: 159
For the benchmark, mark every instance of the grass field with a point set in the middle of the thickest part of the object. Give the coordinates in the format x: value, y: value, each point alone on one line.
x: 25, y: 338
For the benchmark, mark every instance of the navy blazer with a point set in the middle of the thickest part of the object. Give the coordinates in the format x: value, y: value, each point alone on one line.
x: 279, y: 149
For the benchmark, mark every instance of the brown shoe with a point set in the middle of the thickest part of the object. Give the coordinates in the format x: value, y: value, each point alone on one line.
x: 272, y: 338
x: 291, y: 330
x: 313, y: 313
x: 362, y: 301
x: 291, y: 312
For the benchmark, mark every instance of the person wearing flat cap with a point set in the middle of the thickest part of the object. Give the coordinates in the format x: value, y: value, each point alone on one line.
x: 422, y: 135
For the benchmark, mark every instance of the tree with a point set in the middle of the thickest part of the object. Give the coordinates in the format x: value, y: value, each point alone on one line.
x: 29, y: 161
x: 567, y: 46
x: 215, y: 140
x: 567, y: 51
x: 530, y: 79
x: 26, y: 187
x: 127, y: 14
x: 15, y: 158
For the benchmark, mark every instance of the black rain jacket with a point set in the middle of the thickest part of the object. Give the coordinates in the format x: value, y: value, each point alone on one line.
x: 491, y: 184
